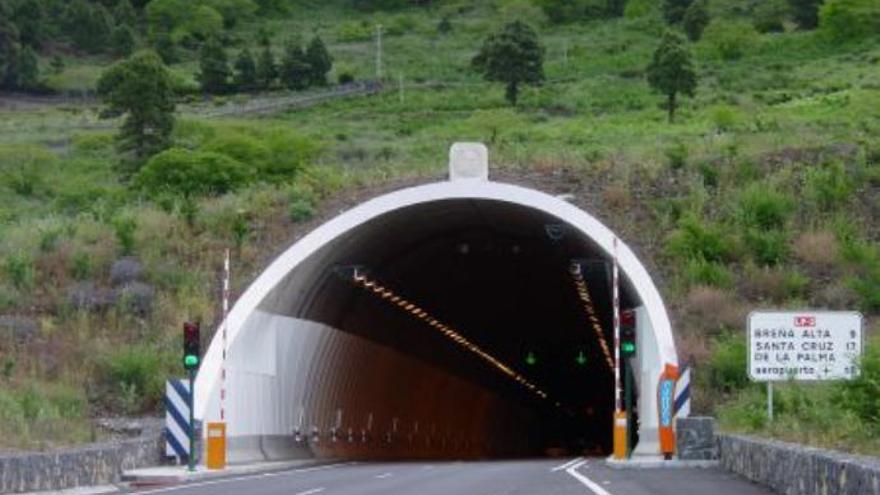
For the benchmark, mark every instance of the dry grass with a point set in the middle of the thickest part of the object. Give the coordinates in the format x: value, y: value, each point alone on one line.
x: 709, y: 310
x: 819, y: 249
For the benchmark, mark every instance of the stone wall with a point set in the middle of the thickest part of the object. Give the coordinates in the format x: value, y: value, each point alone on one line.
x: 792, y: 469
x: 695, y: 439
x: 85, y: 466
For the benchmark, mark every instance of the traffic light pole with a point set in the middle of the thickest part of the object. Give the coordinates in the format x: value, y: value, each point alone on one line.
x: 191, y: 458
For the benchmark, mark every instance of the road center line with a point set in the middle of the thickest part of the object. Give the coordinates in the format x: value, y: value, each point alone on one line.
x: 573, y: 471
x: 310, y: 492
x: 566, y: 465
x: 383, y: 476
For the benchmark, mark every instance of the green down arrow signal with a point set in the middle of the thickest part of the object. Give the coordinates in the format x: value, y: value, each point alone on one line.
x: 581, y: 359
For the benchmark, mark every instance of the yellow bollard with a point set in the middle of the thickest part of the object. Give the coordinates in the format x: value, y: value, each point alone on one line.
x: 620, y: 435
x: 215, y: 457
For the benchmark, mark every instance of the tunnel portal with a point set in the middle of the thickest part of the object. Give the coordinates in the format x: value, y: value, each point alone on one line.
x: 438, y: 321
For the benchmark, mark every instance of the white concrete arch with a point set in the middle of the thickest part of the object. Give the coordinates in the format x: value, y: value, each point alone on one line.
x: 640, y: 281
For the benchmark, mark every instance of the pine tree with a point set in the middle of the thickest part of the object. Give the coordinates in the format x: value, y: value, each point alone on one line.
x: 295, y: 70
x: 88, y: 25
x: 213, y: 67
x: 672, y: 71
x: 245, y: 71
x: 29, y: 70
x: 674, y: 10
x: 696, y: 18
x: 10, y: 50
x: 319, y: 61
x: 806, y: 12
x: 125, y: 14
x: 513, y: 56
x: 29, y: 16
x: 142, y: 88
x: 122, y: 40
x: 267, y: 71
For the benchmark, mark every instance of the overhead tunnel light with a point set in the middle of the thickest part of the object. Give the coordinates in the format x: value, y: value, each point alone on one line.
x: 583, y: 293
x: 361, y: 280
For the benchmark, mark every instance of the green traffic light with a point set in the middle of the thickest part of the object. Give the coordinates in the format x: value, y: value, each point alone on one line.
x: 190, y: 361
x: 531, y: 359
x: 628, y: 348
x: 581, y: 359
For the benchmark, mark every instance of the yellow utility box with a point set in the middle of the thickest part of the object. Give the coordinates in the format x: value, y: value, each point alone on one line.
x: 620, y: 435
x: 215, y: 457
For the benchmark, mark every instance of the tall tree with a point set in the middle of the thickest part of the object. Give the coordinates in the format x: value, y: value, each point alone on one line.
x: 295, y: 69
x: 696, y: 18
x: 10, y: 50
x: 513, y: 56
x: 30, y: 18
x: 245, y: 78
x: 213, y: 67
x: 29, y: 69
x: 806, y: 12
x: 267, y: 71
x: 674, y: 10
x: 122, y: 40
x: 88, y: 25
x: 124, y: 13
x: 320, y: 62
x: 671, y: 72
x: 616, y: 8
x: 140, y: 87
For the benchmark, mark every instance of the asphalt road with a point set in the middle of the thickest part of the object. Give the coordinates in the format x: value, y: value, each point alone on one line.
x: 526, y: 477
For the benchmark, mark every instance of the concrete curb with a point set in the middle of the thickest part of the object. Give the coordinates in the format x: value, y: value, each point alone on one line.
x: 172, y: 475
x: 660, y: 464
x: 83, y: 490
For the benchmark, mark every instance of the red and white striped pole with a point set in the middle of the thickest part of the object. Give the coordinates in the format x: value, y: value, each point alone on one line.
x: 619, y: 422
x: 225, y: 325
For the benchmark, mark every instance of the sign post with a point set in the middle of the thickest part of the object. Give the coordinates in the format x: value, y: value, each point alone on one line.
x: 804, y: 346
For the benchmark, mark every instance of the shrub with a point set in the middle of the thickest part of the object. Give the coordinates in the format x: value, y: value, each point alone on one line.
x: 522, y: 10
x: 850, y: 19
x: 776, y: 284
x: 768, y: 247
x: 345, y: 78
x: 770, y: 15
x: 694, y: 239
x: 241, y: 147
x: 290, y: 152
x: 301, y: 210
x: 138, y: 369
x: 862, y: 395
x: 676, y: 155
x: 191, y: 173
x: 727, y: 367
x: 698, y: 271
x: 731, y: 39
x: 23, y: 168
x: 763, y: 207
x: 828, y: 186
x: 81, y: 266
x: 124, y: 227
x: 696, y: 18
x: 354, y: 31
x: 724, y: 117
x: 19, y: 270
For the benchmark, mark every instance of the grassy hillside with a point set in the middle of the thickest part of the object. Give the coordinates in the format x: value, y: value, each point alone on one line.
x: 762, y: 194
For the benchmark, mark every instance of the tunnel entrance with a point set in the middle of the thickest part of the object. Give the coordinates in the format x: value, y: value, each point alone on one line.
x: 443, y: 320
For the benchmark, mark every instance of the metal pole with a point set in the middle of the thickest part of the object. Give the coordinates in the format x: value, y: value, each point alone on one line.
x: 770, y: 401
x: 224, y: 330
x: 616, y: 309
x: 630, y: 427
x: 191, y: 458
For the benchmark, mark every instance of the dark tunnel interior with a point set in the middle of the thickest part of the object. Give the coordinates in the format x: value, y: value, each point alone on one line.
x: 499, y: 274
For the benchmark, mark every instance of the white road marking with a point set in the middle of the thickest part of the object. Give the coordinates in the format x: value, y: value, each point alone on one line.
x: 598, y: 490
x: 383, y: 476
x: 310, y: 492
x: 184, y: 486
x: 567, y: 464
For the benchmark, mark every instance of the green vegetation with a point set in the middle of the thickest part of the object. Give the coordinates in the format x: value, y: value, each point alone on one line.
x: 761, y: 192
x: 513, y: 56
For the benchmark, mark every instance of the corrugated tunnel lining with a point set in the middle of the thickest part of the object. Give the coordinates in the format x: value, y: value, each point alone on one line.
x: 488, y: 268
